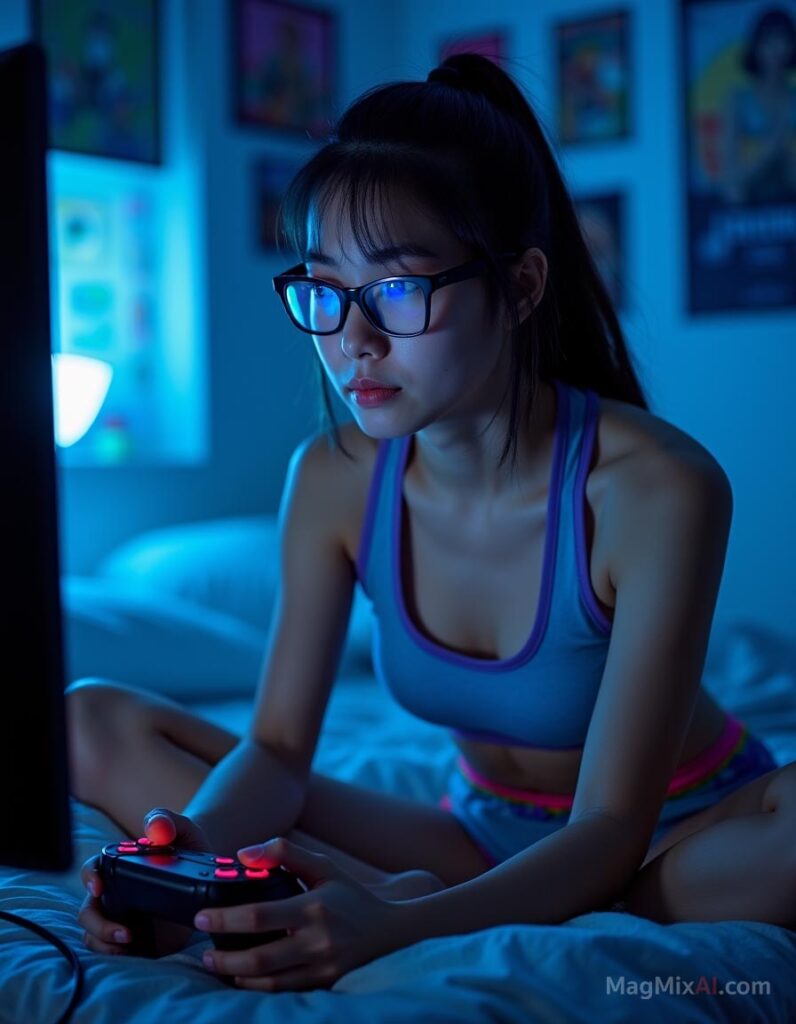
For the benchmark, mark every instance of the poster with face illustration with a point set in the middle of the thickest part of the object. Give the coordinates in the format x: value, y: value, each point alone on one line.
x: 739, y: 104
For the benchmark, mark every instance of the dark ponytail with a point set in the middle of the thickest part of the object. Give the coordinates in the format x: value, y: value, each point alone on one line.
x: 467, y: 145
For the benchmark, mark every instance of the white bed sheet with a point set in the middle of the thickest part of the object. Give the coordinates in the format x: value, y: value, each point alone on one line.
x: 518, y: 973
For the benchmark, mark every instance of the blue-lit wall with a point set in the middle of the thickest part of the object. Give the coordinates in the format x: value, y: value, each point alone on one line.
x: 726, y: 380
x: 258, y: 409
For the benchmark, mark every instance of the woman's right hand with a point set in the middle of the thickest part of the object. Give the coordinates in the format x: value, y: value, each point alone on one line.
x: 163, y: 827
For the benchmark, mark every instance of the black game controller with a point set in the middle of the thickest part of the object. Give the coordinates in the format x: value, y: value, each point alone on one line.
x: 142, y: 881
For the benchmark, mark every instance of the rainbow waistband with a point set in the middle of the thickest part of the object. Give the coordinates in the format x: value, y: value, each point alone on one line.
x: 697, y: 771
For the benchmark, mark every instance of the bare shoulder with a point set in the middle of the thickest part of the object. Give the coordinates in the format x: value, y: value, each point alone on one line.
x: 625, y: 430
x: 647, y: 459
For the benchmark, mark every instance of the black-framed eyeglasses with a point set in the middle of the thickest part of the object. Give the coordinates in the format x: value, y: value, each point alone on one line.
x: 396, y: 306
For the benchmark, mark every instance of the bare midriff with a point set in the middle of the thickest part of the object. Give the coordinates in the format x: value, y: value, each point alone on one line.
x: 556, y: 771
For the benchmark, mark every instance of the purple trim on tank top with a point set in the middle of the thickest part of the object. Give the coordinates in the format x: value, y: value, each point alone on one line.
x: 579, y: 499
x: 361, y: 564
x: 551, y: 537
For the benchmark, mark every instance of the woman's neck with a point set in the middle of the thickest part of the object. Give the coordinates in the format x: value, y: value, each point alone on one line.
x: 458, y: 461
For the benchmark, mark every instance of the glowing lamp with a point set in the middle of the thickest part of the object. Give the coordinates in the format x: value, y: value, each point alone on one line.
x: 80, y: 384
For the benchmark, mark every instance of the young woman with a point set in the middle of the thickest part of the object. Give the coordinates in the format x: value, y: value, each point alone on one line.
x: 552, y: 609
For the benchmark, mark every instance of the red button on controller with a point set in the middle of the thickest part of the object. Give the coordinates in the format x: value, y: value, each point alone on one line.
x: 226, y: 873
x: 256, y: 872
x: 224, y: 860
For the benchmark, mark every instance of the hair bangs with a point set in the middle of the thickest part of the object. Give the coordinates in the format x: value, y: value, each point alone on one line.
x: 371, y: 181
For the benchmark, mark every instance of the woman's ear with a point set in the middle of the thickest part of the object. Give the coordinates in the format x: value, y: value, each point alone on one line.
x: 530, y: 278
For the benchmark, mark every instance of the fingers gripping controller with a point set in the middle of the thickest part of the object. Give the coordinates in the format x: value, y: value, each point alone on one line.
x: 142, y: 881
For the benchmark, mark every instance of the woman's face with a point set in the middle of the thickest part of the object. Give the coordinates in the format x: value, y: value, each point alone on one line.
x: 451, y: 370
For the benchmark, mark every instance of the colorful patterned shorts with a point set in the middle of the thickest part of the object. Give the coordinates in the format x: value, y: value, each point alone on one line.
x: 502, y: 820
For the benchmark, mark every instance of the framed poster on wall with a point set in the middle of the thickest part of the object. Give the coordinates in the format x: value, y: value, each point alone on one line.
x: 284, y: 66
x: 739, y: 108
x: 271, y: 177
x: 602, y: 221
x: 103, y: 76
x: 593, y: 77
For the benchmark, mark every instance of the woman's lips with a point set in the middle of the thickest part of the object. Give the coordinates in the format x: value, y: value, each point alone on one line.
x: 370, y: 397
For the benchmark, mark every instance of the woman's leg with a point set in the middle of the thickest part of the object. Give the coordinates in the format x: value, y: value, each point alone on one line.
x: 132, y: 750
x: 123, y: 759
x: 735, y: 860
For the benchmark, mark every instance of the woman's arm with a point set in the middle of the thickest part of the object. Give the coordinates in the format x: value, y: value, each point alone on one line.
x: 673, y: 518
x: 250, y: 795
x: 582, y: 867
x: 258, y: 790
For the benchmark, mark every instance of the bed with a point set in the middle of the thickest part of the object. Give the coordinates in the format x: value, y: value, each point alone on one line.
x: 198, y: 595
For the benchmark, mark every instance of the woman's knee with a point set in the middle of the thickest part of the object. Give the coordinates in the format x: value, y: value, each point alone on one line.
x: 102, y: 717
x: 92, y: 704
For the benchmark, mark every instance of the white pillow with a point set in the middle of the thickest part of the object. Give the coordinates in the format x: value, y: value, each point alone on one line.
x: 157, y: 641
x: 230, y: 565
x: 227, y: 564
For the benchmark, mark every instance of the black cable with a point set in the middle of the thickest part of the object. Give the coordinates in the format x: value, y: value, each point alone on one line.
x: 68, y: 952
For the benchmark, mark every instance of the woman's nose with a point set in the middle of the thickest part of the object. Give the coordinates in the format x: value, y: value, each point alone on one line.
x: 360, y: 337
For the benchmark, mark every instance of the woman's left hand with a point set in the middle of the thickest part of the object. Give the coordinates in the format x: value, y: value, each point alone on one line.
x: 337, y: 925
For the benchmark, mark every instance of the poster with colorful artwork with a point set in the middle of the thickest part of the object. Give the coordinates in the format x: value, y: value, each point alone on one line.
x: 103, y: 76
x: 107, y: 280
x: 739, y: 103
x: 284, y: 66
x: 593, y: 78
